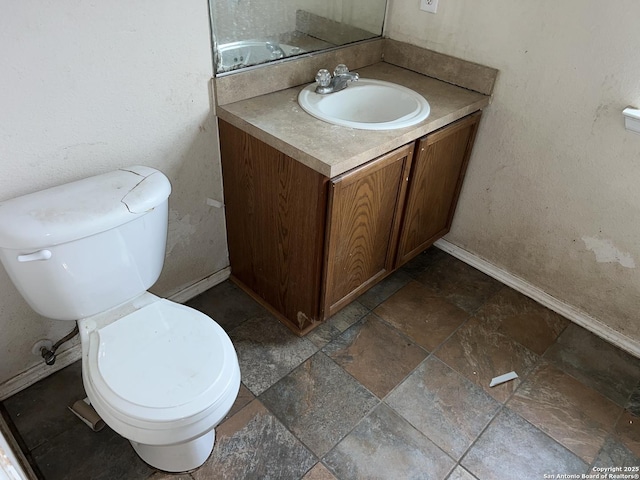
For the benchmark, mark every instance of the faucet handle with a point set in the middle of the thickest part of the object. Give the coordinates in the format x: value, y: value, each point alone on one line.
x: 341, y: 69
x: 323, y: 77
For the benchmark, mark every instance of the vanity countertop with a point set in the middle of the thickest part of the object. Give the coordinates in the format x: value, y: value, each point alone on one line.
x: 277, y: 119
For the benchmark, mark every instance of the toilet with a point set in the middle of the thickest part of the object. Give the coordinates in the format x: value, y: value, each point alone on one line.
x: 160, y: 374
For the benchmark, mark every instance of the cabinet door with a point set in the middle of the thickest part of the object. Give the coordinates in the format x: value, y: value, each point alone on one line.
x: 363, y: 226
x: 436, y: 178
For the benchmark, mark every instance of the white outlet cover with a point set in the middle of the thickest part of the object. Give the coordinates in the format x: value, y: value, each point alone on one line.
x: 632, y: 119
x: 430, y: 6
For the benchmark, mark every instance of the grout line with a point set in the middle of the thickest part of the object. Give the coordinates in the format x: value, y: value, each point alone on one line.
x: 257, y: 398
x: 593, y: 388
x: 386, y: 297
x: 319, y: 459
x: 401, y: 333
x: 486, y: 427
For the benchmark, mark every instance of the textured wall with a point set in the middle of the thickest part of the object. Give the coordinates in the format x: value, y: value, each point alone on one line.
x: 552, y: 193
x: 88, y: 87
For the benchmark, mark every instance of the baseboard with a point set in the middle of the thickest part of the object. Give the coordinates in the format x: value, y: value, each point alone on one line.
x: 200, y: 286
x: 67, y: 357
x: 569, y: 312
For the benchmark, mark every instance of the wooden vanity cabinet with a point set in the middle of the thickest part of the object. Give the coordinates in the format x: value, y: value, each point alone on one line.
x: 305, y: 246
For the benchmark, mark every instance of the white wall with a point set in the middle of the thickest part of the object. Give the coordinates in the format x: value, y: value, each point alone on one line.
x: 552, y: 193
x: 87, y: 87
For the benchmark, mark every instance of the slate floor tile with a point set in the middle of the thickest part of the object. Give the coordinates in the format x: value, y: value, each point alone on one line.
x: 337, y: 324
x: 383, y: 290
x: 80, y: 453
x: 267, y: 351
x: 227, y: 304
x: 443, y: 405
x: 460, y: 473
x: 375, y: 354
x: 385, y: 446
x: 480, y: 354
x: 527, y: 322
x: 170, y: 476
x: 253, y: 444
x: 633, y: 404
x: 573, y: 414
x: 244, y: 397
x: 422, y: 261
x: 596, y: 363
x: 458, y: 282
x: 39, y: 419
x: 319, y: 472
x: 512, y: 448
x: 615, y: 454
x: 627, y: 432
x: 319, y: 402
x: 422, y: 315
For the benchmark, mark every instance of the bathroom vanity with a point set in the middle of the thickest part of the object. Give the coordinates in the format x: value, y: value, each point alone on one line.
x: 317, y: 213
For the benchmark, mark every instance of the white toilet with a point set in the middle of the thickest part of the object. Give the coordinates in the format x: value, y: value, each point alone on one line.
x: 161, y: 374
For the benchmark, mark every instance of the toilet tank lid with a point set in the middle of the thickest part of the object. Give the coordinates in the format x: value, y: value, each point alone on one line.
x: 79, y: 209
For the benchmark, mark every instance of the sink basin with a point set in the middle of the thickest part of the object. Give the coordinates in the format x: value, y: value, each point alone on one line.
x: 367, y: 105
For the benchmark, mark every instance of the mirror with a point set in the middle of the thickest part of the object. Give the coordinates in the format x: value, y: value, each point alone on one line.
x: 251, y: 32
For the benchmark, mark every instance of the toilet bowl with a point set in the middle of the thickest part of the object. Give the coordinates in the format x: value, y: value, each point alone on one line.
x: 164, y: 374
x: 160, y: 374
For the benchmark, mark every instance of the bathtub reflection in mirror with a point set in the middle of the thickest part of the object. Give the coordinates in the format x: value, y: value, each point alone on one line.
x: 253, y: 32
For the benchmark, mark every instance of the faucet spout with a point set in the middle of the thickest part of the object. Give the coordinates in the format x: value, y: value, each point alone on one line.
x: 341, y: 81
x: 341, y: 78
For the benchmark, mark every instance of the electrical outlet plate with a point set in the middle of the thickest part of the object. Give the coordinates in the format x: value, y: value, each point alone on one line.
x: 430, y: 6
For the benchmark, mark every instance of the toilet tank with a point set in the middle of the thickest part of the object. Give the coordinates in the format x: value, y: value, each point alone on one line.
x: 78, y: 249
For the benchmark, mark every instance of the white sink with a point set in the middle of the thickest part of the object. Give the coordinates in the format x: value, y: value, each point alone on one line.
x: 367, y: 105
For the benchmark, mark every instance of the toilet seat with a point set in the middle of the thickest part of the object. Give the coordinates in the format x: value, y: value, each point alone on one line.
x: 164, y: 362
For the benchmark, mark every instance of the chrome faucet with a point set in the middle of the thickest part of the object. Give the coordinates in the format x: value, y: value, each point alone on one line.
x: 341, y: 78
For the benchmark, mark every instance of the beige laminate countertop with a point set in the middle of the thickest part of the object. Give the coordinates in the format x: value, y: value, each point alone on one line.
x: 278, y: 120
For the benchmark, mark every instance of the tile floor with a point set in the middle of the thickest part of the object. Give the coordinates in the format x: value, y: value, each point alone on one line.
x: 395, y: 386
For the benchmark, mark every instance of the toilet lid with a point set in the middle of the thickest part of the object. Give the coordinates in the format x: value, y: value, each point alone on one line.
x: 162, y: 362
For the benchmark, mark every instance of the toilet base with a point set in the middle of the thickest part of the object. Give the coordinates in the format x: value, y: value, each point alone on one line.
x: 177, y: 458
